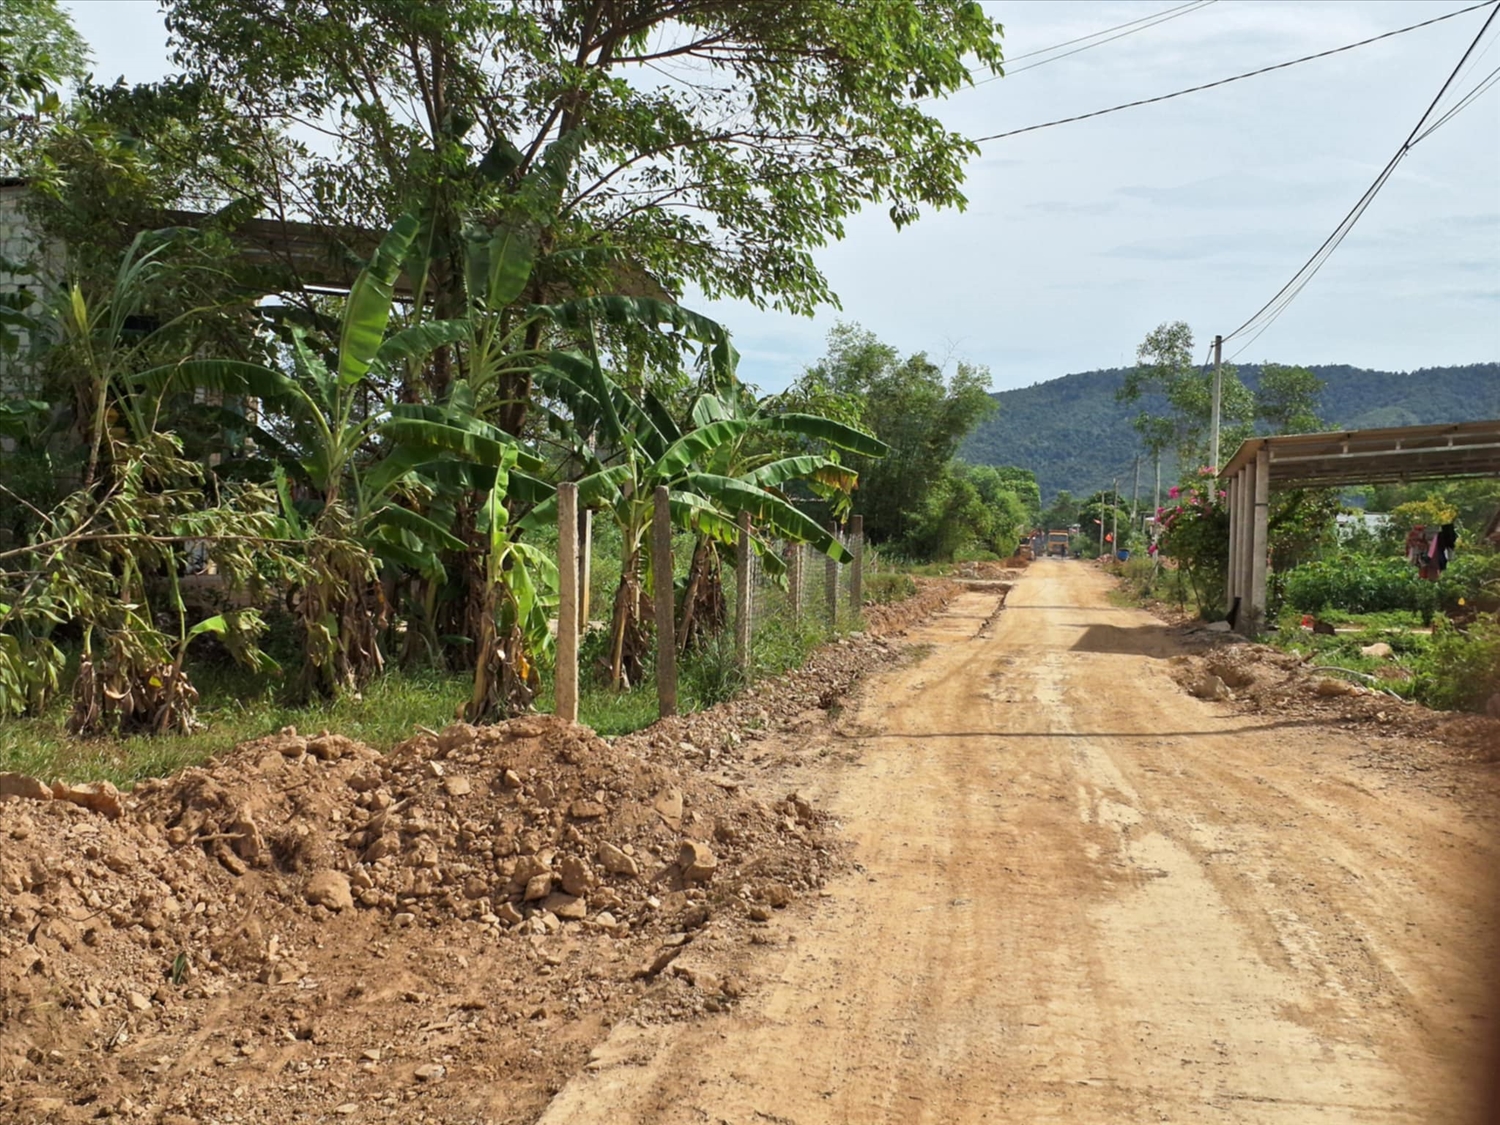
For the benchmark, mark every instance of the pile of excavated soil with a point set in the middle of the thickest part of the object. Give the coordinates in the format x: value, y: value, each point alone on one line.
x: 309, y: 930
x: 1265, y: 679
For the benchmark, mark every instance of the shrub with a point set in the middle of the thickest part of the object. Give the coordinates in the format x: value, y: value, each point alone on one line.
x: 1360, y: 585
x: 1195, y: 532
x: 1474, y: 577
x: 1460, y: 670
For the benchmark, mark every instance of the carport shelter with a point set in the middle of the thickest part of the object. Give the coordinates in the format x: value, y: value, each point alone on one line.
x: 1406, y: 453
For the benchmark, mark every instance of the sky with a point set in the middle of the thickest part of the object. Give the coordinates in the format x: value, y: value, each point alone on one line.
x: 1079, y: 239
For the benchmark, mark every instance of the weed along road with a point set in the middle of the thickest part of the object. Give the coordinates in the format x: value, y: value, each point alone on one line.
x: 1084, y: 896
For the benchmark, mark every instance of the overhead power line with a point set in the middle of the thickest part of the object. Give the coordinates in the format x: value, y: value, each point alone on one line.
x: 1109, y: 35
x: 1267, y: 313
x: 1236, y: 77
x: 1472, y: 96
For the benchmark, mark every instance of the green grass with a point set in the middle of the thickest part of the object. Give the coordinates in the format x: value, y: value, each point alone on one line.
x: 234, y: 706
x: 1389, y: 619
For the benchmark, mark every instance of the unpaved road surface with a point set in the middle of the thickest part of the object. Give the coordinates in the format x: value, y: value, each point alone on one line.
x: 1084, y: 896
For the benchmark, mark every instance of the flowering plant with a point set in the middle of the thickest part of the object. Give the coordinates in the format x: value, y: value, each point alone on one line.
x: 1195, y: 532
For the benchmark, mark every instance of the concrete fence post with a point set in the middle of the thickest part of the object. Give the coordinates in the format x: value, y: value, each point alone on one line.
x: 585, y: 567
x: 794, y: 582
x: 663, y: 595
x: 743, y: 596
x: 831, y: 582
x: 566, y: 680
x: 857, y: 570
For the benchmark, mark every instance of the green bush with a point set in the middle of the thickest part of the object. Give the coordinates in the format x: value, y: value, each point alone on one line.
x: 1356, y: 584
x: 1474, y: 577
x: 1460, y: 670
x: 1360, y: 585
x: 709, y: 673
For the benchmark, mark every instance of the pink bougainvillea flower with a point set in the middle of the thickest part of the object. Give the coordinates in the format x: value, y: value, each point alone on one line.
x: 1174, y: 492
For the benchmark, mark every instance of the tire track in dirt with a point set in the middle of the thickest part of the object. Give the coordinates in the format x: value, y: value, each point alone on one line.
x: 1087, y: 897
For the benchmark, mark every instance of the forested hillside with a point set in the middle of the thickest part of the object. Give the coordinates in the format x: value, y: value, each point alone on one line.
x: 1075, y: 436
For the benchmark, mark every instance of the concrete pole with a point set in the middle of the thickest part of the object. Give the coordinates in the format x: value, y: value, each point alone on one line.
x: 663, y: 597
x: 1231, y: 586
x: 1114, y: 520
x: 857, y: 571
x: 794, y: 581
x: 1135, y: 493
x: 831, y: 582
x: 1260, y: 540
x: 585, y: 567
x: 1247, y: 518
x: 1213, y: 454
x: 743, y: 601
x: 565, y: 682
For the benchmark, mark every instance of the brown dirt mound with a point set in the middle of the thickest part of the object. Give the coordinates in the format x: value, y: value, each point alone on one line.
x: 262, y: 913
x: 1266, y: 679
x: 307, y: 930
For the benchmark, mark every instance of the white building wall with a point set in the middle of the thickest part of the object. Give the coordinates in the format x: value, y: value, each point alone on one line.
x: 19, y: 247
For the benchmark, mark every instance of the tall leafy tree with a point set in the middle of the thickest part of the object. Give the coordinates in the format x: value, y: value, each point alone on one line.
x: 39, y: 50
x: 1287, y: 399
x: 721, y: 141
x: 911, y: 406
x: 1166, y: 372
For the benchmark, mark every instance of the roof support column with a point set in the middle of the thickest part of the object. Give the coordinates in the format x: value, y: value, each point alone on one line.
x: 1244, y: 514
x: 1260, y: 541
x: 1231, y: 583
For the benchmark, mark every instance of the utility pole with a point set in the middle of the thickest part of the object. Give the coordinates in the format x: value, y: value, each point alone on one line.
x: 1213, y: 456
x: 1135, y: 491
x: 1114, y: 519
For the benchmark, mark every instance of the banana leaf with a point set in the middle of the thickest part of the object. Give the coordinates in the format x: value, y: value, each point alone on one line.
x: 431, y: 533
x: 693, y: 445
x: 768, y: 511
x: 419, y: 341
x: 368, y: 308
x: 808, y: 467
x: 826, y: 429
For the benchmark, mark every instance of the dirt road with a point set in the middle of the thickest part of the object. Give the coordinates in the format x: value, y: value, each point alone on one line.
x: 1087, y: 897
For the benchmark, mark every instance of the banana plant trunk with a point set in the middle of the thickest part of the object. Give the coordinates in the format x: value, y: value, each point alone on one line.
x: 629, y: 641
x: 704, y: 612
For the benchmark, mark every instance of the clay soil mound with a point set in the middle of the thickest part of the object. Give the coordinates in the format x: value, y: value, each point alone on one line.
x: 307, y: 930
x: 1265, y: 679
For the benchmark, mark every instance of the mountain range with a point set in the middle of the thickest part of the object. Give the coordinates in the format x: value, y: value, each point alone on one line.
x: 1075, y: 435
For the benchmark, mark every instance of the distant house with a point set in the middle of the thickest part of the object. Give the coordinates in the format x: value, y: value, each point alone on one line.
x: 1371, y: 523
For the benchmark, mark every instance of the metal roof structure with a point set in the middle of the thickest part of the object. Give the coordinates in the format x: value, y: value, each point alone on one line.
x: 1405, y: 453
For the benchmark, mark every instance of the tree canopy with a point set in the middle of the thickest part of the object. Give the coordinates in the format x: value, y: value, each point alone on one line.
x: 721, y: 142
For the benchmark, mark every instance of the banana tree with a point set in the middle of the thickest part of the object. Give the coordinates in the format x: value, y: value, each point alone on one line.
x: 643, y: 450
x: 358, y: 508
x: 773, y: 450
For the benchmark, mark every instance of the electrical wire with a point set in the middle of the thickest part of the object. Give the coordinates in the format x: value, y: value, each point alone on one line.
x: 1236, y: 77
x: 1468, y: 99
x: 1145, y: 23
x: 1266, y: 315
x: 1106, y: 31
